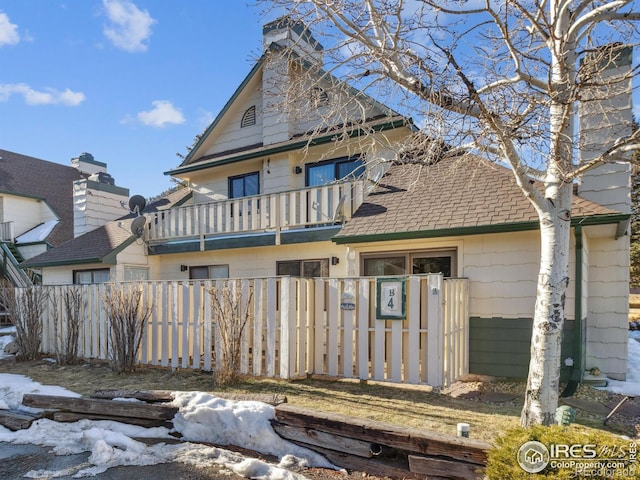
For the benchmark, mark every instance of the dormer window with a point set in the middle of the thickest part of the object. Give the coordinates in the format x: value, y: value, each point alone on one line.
x: 249, y: 117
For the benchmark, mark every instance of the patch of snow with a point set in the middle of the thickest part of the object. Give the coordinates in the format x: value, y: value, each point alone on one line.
x: 201, y: 417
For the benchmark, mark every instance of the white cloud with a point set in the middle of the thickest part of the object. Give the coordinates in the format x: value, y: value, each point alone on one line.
x: 129, y: 27
x: 48, y: 96
x: 162, y: 114
x: 8, y: 31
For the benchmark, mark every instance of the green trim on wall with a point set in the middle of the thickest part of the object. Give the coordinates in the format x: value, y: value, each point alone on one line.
x: 218, y: 243
x: 500, y: 347
x: 320, y: 234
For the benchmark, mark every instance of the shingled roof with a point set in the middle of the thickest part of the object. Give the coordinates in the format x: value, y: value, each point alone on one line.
x: 52, y: 182
x: 103, y: 243
x: 453, y: 197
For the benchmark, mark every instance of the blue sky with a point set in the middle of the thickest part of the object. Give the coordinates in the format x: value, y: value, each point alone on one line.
x: 131, y: 82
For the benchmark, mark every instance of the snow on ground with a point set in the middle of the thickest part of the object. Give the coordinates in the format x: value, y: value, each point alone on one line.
x: 631, y: 386
x: 201, y: 418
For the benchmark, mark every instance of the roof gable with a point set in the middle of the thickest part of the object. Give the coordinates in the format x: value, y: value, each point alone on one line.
x: 225, y: 135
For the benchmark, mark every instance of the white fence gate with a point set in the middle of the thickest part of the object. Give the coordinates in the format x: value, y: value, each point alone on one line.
x: 296, y: 327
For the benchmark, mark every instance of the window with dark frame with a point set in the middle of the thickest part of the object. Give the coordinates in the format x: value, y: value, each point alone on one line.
x: 328, y: 171
x: 87, y: 277
x: 409, y: 263
x: 206, y: 272
x: 244, y: 185
x: 303, y: 268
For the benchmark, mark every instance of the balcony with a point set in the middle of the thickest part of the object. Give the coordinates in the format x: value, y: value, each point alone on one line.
x: 6, y: 232
x: 274, y: 212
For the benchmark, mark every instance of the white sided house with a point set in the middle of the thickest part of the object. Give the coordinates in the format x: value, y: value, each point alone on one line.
x: 267, y: 198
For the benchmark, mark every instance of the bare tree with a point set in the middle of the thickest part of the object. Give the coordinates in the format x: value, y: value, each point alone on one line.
x: 26, y: 307
x: 500, y: 79
x: 66, y: 307
x: 230, y: 313
x: 128, y: 313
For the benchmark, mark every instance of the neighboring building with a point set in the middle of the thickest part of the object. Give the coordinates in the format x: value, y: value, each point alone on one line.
x: 268, y: 198
x: 37, y: 215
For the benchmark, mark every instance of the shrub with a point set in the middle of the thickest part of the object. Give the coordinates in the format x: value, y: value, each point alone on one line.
x: 25, y: 307
x: 128, y: 314
x: 66, y: 306
x: 595, y: 454
x: 230, y: 314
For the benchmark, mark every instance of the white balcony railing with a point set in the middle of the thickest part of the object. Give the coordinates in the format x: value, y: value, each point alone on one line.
x: 6, y: 231
x: 306, y: 207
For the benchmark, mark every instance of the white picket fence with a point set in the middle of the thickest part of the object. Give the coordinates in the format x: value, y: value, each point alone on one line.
x: 297, y: 327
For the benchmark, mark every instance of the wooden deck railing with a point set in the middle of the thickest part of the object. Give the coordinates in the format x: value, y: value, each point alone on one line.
x: 306, y: 207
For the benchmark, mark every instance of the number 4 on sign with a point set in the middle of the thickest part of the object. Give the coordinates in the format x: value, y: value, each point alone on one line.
x: 390, y: 299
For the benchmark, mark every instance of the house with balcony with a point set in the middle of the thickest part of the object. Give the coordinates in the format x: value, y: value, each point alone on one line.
x: 271, y: 191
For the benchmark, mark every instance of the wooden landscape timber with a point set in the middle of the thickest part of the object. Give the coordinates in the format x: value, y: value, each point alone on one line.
x: 164, y: 396
x: 16, y: 420
x: 96, y: 409
x: 357, y: 444
x: 379, y: 448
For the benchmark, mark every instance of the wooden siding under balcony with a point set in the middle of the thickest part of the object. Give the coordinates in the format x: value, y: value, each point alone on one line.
x: 273, y: 212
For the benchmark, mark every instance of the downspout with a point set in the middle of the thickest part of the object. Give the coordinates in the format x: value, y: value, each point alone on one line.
x: 577, y: 367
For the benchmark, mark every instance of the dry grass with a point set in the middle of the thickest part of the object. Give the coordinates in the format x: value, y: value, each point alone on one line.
x: 417, y: 407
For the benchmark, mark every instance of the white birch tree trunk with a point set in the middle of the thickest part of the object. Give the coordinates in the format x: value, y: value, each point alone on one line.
x: 541, y: 398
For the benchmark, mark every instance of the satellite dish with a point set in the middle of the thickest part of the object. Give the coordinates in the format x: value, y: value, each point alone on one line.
x: 137, y: 204
x: 137, y: 226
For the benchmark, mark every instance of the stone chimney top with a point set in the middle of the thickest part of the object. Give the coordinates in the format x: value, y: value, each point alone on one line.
x: 294, y: 34
x: 87, y: 165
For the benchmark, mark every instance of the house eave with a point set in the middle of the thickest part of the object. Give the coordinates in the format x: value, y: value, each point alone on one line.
x: 285, y: 147
x: 475, y: 230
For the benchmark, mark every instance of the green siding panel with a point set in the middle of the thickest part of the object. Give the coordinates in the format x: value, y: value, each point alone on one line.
x: 500, y: 346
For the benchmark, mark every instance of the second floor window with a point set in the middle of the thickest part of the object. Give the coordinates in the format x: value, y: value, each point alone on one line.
x: 340, y: 168
x: 244, y: 185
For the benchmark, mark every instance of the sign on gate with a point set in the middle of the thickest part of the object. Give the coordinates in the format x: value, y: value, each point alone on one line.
x: 391, y: 298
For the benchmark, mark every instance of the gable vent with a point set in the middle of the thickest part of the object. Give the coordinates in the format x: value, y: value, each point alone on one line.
x: 249, y: 117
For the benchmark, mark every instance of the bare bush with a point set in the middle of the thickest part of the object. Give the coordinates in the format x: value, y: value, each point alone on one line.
x: 128, y: 314
x: 230, y: 314
x: 25, y: 307
x: 66, y: 324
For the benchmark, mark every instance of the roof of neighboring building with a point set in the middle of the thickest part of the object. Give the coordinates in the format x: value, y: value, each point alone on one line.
x: 103, y: 243
x: 458, y: 196
x: 23, y: 175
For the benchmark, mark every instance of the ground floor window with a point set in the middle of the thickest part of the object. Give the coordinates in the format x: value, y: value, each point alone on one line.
x: 136, y: 274
x: 205, y: 272
x: 410, y: 263
x: 304, y: 268
x: 86, y: 277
